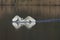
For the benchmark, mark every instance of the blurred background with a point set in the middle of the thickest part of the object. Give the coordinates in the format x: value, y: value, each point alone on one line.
x: 38, y: 9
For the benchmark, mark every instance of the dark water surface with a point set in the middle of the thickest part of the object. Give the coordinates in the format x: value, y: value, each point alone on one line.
x: 38, y: 9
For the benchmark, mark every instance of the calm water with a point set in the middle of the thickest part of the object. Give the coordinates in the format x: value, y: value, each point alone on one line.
x: 47, y: 9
